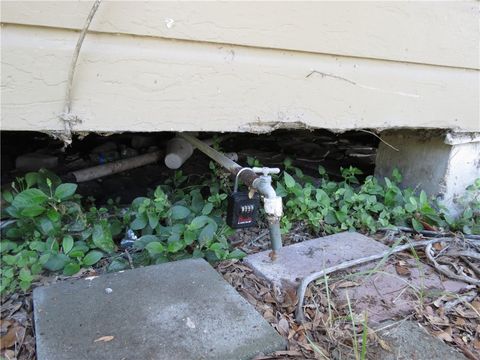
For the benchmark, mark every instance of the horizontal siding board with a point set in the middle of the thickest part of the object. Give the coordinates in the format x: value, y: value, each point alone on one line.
x: 131, y: 83
x: 440, y: 33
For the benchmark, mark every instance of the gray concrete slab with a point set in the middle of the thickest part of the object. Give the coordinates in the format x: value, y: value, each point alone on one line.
x: 408, y: 340
x: 386, y: 295
x: 179, y: 310
x: 383, y: 294
x: 294, y: 262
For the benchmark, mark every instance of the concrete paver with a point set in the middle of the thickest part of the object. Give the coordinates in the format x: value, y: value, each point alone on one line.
x: 179, y: 310
x: 408, y: 340
x: 294, y: 262
x: 383, y: 294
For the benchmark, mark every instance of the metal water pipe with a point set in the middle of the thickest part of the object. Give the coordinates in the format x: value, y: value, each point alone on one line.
x: 263, y: 184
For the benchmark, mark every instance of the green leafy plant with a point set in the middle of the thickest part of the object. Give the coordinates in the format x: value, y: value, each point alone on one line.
x: 327, y: 206
x: 173, y: 227
x: 175, y: 224
x: 49, y: 230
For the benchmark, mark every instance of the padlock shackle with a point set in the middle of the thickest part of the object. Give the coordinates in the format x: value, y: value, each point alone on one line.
x: 235, y: 186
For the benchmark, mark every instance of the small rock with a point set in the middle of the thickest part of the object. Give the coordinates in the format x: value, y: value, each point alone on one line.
x: 108, y: 290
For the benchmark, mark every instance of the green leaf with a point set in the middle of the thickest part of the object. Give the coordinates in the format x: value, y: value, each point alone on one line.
x: 289, y: 180
x: 116, y: 227
x: 29, y: 198
x: 64, y: 191
x: 189, y: 237
x: 7, y: 245
x: 39, y: 246
x: 179, y: 212
x: 143, y: 241
x: 174, y: 246
x: 207, y: 208
x: 199, y: 222
x: 102, y: 238
x: 71, y: 269
x: 67, y: 244
x: 53, y: 215
x: 7, y: 196
x: 25, y: 275
x: 423, y: 198
x: 31, y: 179
x: 152, y: 219
x: 155, y: 248
x: 12, y: 211
x: 9, y: 259
x: 207, y: 233
x: 44, y: 258
x: 330, y: 218
x: 76, y: 253
x: 410, y: 207
x: 396, y: 176
x: 92, y: 257
x: 236, y: 254
x: 117, y: 265
x: 139, y: 223
x: 25, y: 285
x: 417, y: 225
x: 8, y: 273
x: 56, y: 262
x: 468, y: 213
x: 197, y: 201
x: 46, y: 226
x: 36, y: 268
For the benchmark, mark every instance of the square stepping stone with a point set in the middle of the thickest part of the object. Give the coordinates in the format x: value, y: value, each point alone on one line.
x: 382, y: 294
x: 294, y: 262
x: 179, y: 310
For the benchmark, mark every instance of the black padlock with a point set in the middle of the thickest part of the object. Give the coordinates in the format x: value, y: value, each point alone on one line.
x: 241, y: 209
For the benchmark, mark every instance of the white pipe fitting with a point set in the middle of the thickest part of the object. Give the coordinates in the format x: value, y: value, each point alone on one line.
x: 178, y: 151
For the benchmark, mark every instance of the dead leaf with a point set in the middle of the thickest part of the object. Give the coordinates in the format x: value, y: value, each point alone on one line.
x: 444, y: 336
x: 437, y: 246
x: 346, y: 284
x: 476, y: 305
x: 105, y: 338
x: 459, y: 321
x: 476, y: 344
x: 9, y: 339
x: 437, y: 320
x: 9, y: 355
x: 402, y: 268
x: 283, y: 327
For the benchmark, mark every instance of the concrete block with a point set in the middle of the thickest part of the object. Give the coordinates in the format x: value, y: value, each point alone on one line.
x: 294, y: 262
x: 35, y: 161
x: 180, y: 310
x: 441, y: 164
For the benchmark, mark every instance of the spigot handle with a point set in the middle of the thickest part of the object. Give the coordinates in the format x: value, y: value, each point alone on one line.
x: 265, y: 170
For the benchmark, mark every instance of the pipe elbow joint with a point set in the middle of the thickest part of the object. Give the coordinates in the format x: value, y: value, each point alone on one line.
x: 272, y: 203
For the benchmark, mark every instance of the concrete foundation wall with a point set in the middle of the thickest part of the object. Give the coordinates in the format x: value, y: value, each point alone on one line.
x: 442, y: 165
x: 169, y: 66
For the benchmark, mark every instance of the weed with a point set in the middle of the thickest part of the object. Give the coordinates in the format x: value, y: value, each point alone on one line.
x: 50, y: 230
x: 329, y: 207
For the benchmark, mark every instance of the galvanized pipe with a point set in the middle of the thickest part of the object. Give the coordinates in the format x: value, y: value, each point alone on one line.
x: 251, y: 179
x: 115, y: 167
